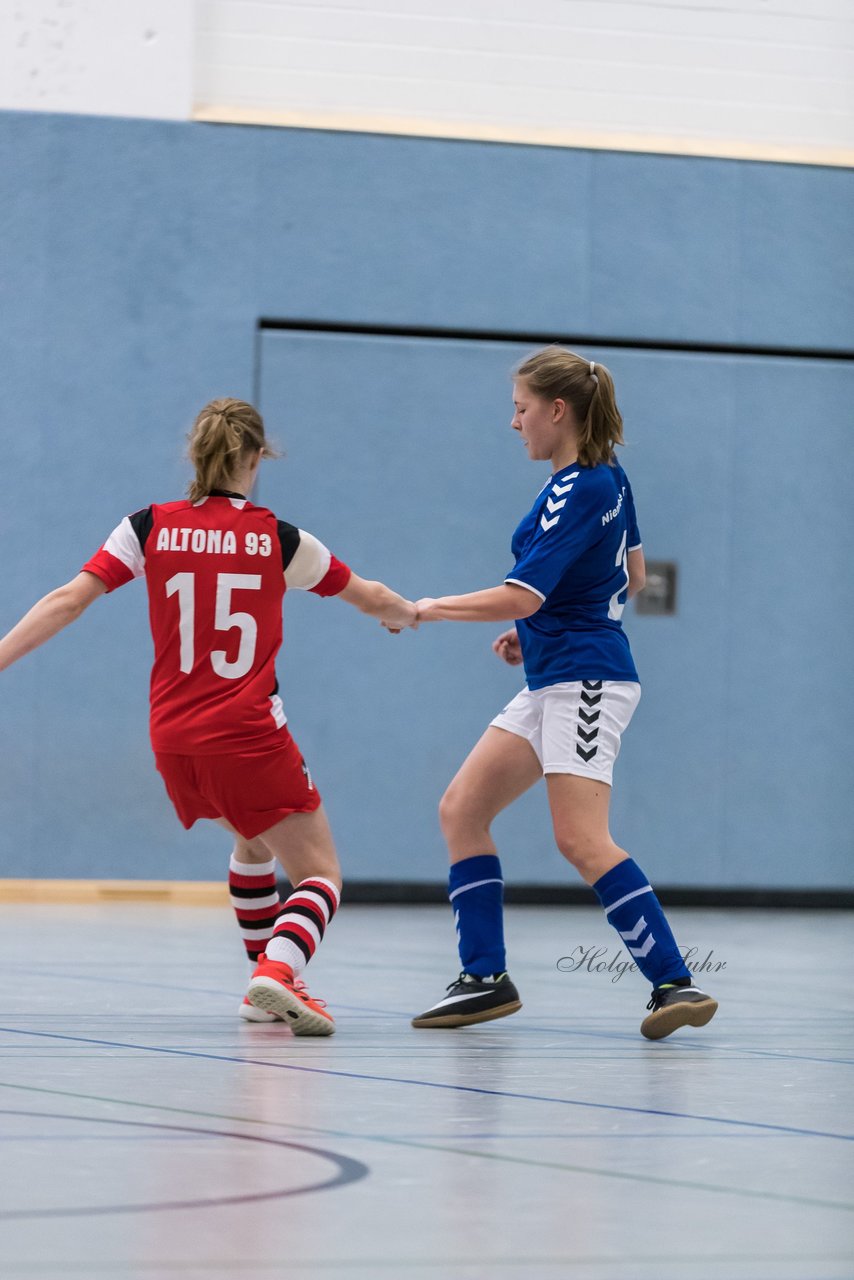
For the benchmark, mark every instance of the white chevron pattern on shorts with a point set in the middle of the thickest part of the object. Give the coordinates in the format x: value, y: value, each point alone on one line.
x: 547, y: 524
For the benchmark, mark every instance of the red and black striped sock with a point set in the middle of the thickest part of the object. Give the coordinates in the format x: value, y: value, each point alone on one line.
x: 302, y: 922
x: 256, y: 902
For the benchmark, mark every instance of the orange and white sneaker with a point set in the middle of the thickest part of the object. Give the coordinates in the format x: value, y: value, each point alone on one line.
x: 274, y: 989
x: 249, y: 1013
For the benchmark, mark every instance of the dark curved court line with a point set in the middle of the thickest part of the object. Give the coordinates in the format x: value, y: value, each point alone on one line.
x: 472, y: 1152
x: 434, y: 1084
x: 348, y: 1170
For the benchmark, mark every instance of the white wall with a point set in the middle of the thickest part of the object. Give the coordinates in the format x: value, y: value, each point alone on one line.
x: 98, y: 57
x: 767, y: 78
x: 772, y: 79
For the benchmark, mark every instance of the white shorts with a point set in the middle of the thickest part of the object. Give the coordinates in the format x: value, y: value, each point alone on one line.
x: 574, y: 727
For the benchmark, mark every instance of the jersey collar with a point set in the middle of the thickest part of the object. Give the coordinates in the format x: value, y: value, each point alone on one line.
x: 227, y: 493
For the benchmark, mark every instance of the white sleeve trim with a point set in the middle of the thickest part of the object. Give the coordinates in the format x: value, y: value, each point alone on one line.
x: 124, y: 545
x: 310, y: 563
x: 514, y: 582
x: 636, y: 547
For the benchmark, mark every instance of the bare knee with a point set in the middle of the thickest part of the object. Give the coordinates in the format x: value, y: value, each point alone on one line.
x: 570, y: 846
x: 449, y: 810
x: 464, y: 826
x: 591, y: 857
x: 457, y: 814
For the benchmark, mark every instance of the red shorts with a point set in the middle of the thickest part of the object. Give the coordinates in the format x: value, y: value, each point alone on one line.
x: 252, y: 791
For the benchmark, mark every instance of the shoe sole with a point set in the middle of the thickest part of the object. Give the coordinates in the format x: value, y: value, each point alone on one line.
x: 671, y: 1018
x: 468, y: 1019
x: 273, y: 997
x: 249, y: 1013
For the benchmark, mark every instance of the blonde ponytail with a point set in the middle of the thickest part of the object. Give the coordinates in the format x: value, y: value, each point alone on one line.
x: 224, y: 433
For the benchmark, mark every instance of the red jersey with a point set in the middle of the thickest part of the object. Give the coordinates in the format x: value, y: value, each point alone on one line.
x: 216, y: 572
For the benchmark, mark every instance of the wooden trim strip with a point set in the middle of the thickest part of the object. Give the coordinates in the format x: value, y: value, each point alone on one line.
x: 185, y: 893
x: 580, y: 139
x: 213, y: 893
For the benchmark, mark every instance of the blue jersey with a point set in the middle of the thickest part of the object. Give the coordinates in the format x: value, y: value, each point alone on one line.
x: 571, y: 550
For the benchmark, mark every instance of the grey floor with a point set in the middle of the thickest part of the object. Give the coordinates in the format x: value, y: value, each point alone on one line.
x: 145, y: 1131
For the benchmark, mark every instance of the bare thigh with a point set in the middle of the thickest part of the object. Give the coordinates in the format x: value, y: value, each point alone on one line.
x: 301, y: 843
x: 499, y: 769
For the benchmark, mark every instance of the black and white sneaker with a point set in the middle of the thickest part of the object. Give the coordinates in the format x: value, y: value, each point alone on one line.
x: 471, y: 999
x: 674, y: 1007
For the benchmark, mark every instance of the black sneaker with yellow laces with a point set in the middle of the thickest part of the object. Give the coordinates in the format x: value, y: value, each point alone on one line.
x: 676, y: 1005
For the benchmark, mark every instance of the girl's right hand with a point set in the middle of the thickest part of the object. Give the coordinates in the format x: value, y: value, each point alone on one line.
x: 508, y: 648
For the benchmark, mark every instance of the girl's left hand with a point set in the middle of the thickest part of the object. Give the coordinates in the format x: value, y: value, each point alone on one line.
x: 508, y: 648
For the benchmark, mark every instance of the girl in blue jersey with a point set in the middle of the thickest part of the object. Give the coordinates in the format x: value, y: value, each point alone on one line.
x: 578, y: 558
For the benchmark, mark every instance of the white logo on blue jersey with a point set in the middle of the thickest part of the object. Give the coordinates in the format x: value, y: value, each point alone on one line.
x: 558, y: 490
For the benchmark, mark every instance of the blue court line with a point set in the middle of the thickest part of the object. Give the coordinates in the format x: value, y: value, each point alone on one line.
x: 397, y: 1013
x: 443, y: 1266
x: 683, y: 1046
x: 476, y: 1152
x: 32, y: 971
x: 83, y: 1137
x: 727, y: 1052
x: 432, y: 1084
x: 565, y: 1135
x: 124, y: 982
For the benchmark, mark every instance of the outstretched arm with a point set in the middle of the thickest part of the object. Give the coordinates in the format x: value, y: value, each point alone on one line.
x: 53, y: 612
x: 379, y: 601
x: 495, y: 604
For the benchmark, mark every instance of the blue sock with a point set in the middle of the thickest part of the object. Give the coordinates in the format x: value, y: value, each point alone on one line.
x: 633, y: 909
x: 476, y: 890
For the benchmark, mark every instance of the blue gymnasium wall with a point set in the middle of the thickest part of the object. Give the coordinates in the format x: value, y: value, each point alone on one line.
x: 135, y: 260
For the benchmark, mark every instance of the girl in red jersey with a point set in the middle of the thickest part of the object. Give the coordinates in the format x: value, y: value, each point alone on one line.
x: 217, y: 568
